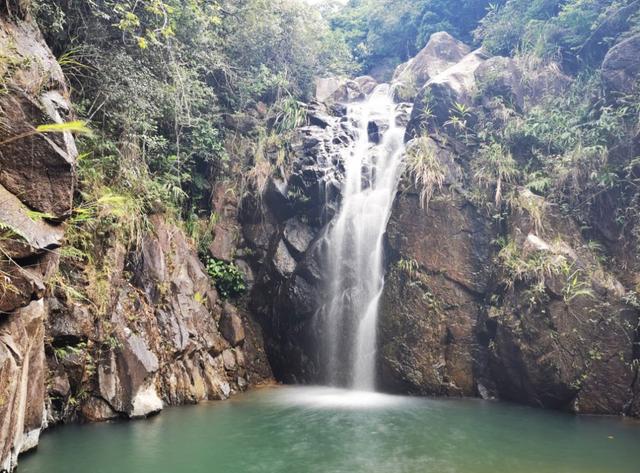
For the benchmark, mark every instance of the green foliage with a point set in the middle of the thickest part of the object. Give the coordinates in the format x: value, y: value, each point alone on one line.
x: 227, y: 277
x: 425, y: 168
x: 535, y: 267
x: 408, y: 266
x: 494, y: 167
x: 157, y: 76
x: 382, y: 33
x: 547, y: 28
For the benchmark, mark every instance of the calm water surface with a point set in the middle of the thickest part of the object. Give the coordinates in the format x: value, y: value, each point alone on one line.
x: 322, y: 430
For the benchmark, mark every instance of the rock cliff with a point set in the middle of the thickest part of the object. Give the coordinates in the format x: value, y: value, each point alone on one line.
x: 482, y: 297
x: 519, y: 307
x: 157, y: 335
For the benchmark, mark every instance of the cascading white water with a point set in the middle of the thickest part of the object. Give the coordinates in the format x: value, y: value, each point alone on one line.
x: 355, y: 266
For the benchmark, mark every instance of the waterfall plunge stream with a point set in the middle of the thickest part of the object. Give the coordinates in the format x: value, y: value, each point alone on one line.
x: 355, y: 266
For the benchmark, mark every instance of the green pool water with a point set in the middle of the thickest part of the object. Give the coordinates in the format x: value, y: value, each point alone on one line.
x: 323, y: 430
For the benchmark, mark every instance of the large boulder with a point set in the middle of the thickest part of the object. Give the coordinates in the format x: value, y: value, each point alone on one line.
x: 621, y: 68
x: 441, y: 52
x: 436, y: 101
x: 127, y: 377
x: 501, y: 77
x: 335, y: 89
x: 366, y: 83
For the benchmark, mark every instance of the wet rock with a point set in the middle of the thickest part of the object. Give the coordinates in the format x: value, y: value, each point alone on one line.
x: 403, y: 114
x: 376, y: 129
x: 283, y: 262
x: 317, y: 115
x: 300, y: 298
x: 276, y: 197
x: 258, y: 235
x: 298, y: 236
x: 366, y: 83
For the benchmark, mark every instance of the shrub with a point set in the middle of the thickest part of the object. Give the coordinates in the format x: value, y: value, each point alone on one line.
x: 424, y: 167
x: 227, y: 277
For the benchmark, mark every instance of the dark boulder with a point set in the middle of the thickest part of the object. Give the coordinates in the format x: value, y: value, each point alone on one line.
x: 621, y: 68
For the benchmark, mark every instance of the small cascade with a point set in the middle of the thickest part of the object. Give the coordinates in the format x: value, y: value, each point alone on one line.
x: 354, y: 243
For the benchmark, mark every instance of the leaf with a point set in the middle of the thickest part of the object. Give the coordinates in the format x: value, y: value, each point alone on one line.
x: 76, y: 126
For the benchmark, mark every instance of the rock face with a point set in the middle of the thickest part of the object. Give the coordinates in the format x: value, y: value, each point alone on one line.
x: 22, y: 372
x: 539, y: 354
x: 36, y: 187
x: 455, y: 318
x: 432, y: 297
x: 458, y: 314
x: 165, y: 338
x: 449, y: 326
x: 155, y: 334
x: 282, y: 236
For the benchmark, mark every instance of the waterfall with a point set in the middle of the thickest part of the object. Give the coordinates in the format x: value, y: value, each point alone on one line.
x: 354, y: 243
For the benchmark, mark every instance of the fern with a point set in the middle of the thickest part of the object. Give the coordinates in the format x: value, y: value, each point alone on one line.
x: 7, y: 230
